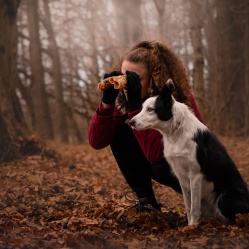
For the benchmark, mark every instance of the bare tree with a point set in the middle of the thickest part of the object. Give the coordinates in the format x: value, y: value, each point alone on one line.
x: 129, y: 21
x: 79, y: 41
x: 43, y: 121
x: 246, y: 132
x: 12, y: 124
x: 57, y: 75
x: 160, y: 7
x: 231, y: 49
x: 23, y: 66
x: 198, y: 54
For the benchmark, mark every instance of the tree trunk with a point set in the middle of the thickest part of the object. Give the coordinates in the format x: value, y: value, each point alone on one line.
x: 11, y: 119
x: 246, y: 131
x: 57, y: 76
x: 23, y: 67
x: 43, y: 121
x: 215, y: 66
x: 198, y: 56
x: 160, y: 7
x: 226, y: 60
x: 129, y: 20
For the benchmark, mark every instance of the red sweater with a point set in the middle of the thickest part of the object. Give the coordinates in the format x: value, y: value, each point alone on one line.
x: 105, y: 121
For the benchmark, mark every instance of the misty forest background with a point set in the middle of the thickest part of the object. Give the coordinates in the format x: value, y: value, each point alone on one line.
x: 54, y: 53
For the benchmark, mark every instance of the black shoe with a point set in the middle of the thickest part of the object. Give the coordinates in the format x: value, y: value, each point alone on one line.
x: 144, y: 205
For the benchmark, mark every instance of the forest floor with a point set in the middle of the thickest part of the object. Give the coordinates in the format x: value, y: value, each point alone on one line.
x: 76, y: 199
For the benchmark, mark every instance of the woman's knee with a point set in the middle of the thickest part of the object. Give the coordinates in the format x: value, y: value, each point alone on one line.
x: 161, y: 172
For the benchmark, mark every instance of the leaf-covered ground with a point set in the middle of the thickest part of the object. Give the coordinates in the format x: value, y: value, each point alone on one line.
x: 76, y: 198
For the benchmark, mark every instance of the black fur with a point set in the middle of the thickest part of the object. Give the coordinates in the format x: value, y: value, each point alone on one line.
x: 155, y: 90
x: 218, y: 167
x: 164, y: 102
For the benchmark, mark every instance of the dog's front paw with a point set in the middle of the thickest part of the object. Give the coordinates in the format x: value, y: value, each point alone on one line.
x: 193, y: 222
x: 193, y: 229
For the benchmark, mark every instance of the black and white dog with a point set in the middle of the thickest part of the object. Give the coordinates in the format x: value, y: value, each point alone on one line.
x: 211, y: 183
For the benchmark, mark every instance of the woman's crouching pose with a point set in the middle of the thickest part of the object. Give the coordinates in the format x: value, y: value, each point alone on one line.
x: 139, y: 154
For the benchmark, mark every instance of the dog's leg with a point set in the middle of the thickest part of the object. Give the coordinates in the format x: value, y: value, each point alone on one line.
x: 187, y: 201
x: 196, y: 191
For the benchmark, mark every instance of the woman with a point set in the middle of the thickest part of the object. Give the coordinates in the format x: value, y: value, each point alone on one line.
x: 139, y: 154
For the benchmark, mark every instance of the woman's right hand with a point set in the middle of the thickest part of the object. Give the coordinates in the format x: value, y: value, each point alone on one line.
x: 134, y: 91
x: 109, y: 95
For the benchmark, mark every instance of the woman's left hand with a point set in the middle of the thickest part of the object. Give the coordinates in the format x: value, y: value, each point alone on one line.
x: 133, y: 91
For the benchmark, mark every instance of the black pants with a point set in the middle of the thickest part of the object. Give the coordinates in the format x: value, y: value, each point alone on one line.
x: 137, y: 170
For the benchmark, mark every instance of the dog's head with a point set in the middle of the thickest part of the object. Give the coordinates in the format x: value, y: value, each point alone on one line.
x: 155, y: 109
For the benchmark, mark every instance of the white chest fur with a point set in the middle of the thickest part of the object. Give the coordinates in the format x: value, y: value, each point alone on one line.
x: 181, y: 155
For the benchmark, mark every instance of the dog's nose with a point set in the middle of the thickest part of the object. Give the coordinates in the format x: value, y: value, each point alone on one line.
x: 132, y: 122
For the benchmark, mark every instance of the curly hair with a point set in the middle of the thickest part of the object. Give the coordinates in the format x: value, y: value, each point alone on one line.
x: 162, y: 63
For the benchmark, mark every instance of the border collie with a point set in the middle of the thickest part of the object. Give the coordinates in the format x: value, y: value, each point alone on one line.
x: 211, y: 183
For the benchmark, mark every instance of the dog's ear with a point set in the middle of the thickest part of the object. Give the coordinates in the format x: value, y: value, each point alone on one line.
x: 164, y: 101
x: 155, y: 90
x: 171, y: 85
x: 167, y: 89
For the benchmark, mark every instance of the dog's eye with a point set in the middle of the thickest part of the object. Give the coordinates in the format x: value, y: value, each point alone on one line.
x: 150, y: 109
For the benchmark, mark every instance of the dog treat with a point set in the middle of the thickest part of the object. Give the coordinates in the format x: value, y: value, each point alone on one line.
x: 119, y: 82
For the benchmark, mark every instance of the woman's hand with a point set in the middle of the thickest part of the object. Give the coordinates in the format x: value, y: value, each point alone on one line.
x: 109, y: 95
x: 133, y: 91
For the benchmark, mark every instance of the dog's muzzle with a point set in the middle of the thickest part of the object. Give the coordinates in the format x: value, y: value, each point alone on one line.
x: 132, y: 123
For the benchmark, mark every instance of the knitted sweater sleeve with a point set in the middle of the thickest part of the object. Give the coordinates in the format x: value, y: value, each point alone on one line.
x: 103, y: 126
